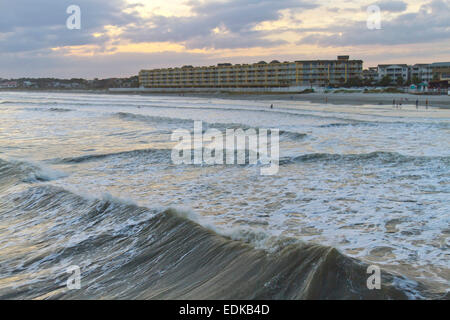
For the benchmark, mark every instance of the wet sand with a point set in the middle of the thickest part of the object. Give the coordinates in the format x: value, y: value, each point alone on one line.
x: 438, y: 101
x: 351, y: 98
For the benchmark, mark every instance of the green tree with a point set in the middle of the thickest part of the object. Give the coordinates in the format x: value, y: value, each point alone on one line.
x: 399, y: 81
x: 385, y: 81
x: 354, y: 82
x: 415, y: 80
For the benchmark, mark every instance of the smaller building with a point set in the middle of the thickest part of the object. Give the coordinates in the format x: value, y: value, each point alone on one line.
x: 440, y: 71
x: 420, y: 72
x: 394, y: 71
x: 439, y: 87
x: 370, y: 76
x: 8, y: 85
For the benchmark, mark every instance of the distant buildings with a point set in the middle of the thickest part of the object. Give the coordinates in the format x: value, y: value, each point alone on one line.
x: 441, y: 77
x: 258, y: 75
x: 297, y: 76
x: 8, y: 84
x: 418, y: 73
x: 301, y: 73
x: 69, y: 84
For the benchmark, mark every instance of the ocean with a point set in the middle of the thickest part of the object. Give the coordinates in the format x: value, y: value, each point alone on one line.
x: 88, y: 181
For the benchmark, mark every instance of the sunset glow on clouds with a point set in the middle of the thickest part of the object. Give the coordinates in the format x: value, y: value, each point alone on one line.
x: 120, y: 37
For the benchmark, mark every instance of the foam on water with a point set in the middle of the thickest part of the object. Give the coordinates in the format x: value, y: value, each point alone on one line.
x: 371, y: 181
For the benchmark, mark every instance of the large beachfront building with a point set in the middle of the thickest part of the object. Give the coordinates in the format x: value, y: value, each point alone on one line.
x: 258, y: 75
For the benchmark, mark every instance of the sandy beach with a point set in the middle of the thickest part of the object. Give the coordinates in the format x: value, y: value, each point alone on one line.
x: 351, y: 98
x: 439, y: 101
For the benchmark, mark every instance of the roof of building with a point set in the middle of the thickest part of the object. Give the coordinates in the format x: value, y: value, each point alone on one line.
x: 253, y: 64
x: 441, y: 64
x: 393, y: 64
x: 327, y: 61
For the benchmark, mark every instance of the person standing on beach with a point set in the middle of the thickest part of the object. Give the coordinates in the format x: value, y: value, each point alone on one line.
x: 426, y: 104
x: 417, y: 104
x: 393, y: 104
x: 271, y: 106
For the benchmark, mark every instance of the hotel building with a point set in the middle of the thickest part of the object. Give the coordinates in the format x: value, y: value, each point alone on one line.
x: 258, y: 75
x: 394, y: 71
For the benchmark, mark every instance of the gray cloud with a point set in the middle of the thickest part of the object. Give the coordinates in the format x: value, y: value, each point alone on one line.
x: 236, y: 17
x: 46, y: 13
x: 429, y: 24
x: 32, y: 25
x: 28, y: 29
x: 28, y: 26
x: 392, y: 6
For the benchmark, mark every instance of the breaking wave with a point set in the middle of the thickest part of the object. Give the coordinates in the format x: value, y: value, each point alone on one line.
x: 13, y: 172
x: 131, y: 252
x: 379, y: 156
x: 220, y: 126
x: 384, y: 123
x: 155, y: 155
x: 59, y: 110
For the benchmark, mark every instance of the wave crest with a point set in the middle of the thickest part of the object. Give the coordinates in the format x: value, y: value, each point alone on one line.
x: 131, y: 252
x: 14, y: 171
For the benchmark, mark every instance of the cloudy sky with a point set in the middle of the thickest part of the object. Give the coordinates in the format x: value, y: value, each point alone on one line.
x: 120, y: 37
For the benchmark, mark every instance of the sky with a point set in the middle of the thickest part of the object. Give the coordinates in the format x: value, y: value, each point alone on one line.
x: 117, y: 38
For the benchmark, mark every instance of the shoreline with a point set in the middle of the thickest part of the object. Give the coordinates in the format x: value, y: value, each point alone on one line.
x: 340, y: 98
x: 353, y: 98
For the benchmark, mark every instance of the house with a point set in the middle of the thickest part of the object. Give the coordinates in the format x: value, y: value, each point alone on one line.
x: 8, y: 85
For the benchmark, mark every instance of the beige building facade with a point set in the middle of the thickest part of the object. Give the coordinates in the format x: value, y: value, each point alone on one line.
x: 261, y: 74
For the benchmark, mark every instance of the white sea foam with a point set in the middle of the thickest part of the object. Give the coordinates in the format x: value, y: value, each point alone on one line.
x: 379, y: 192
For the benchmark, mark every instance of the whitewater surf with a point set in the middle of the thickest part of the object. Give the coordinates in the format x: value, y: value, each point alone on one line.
x: 354, y: 189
